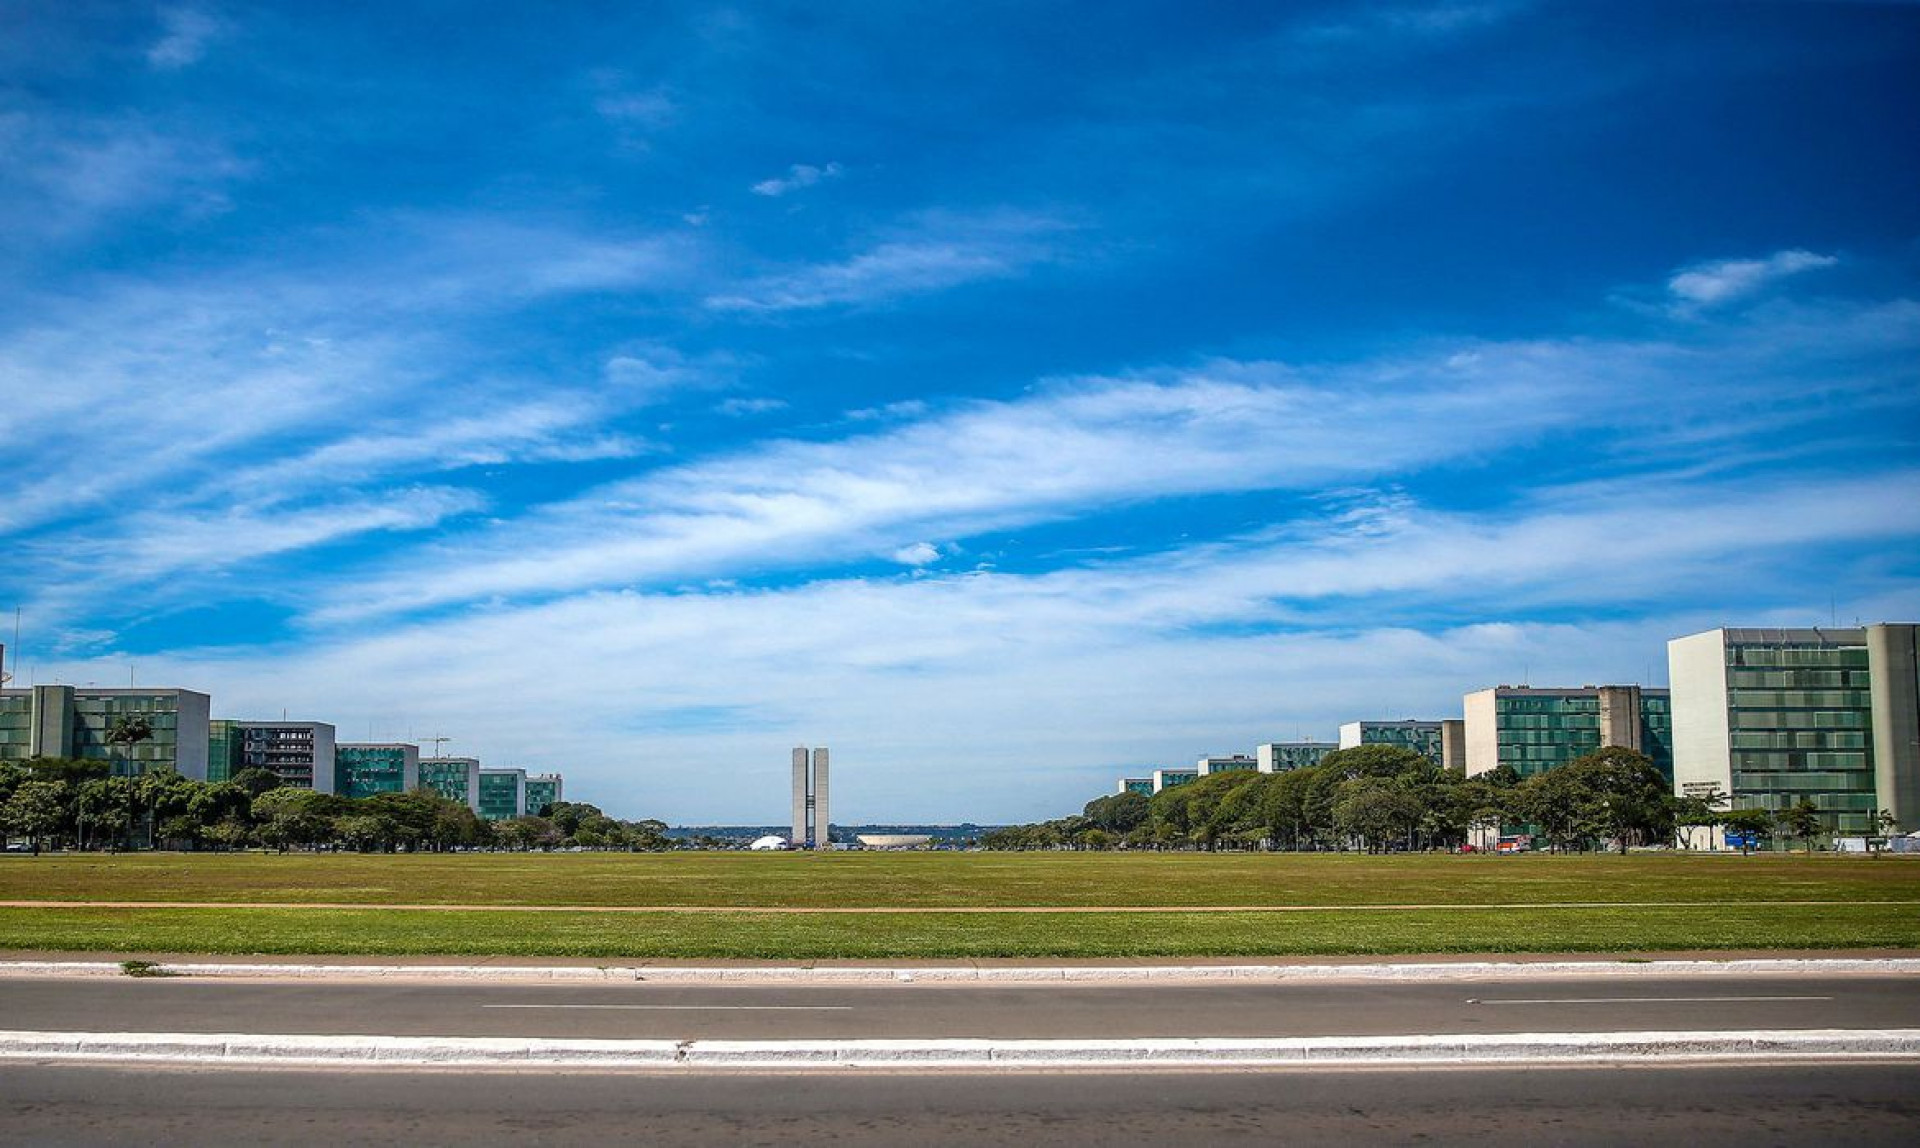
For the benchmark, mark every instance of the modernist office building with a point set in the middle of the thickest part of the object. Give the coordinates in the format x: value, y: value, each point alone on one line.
x: 1534, y: 729
x: 1168, y: 778
x: 1140, y: 785
x: 73, y: 721
x: 1233, y: 763
x: 454, y: 778
x: 812, y: 818
x: 1281, y: 756
x: 362, y: 769
x: 1442, y: 742
x: 543, y: 789
x: 503, y: 794
x: 300, y: 753
x: 1771, y: 717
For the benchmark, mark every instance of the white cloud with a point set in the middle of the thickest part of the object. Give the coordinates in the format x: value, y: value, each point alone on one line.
x: 798, y: 176
x: 185, y: 34
x: 1075, y: 446
x: 941, y: 252
x: 1708, y: 284
x: 74, y: 174
x: 742, y: 408
x: 918, y: 554
x: 1000, y: 696
x: 651, y: 109
x: 651, y: 373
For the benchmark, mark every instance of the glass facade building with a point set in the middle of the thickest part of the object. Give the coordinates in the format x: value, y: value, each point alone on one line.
x: 362, y: 769
x: 1168, y: 778
x: 454, y: 778
x: 1535, y: 729
x: 1281, y: 756
x: 1140, y: 785
x: 74, y: 722
x: 503, y: 794
x: 1774, y: 717
x: 223, y: 749
x: 1237, y: 763
x: 542, y: 790
x: 1425, y: 738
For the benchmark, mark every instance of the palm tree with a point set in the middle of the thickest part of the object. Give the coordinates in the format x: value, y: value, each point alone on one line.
x: 127, y: 731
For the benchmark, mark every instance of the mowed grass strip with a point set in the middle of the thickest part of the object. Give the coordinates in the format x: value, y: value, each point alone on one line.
x: 948, y: 880
x: 802, y: 937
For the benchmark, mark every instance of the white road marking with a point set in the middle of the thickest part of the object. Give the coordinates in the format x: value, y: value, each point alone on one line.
x: 1639, y: 1000
x: 688, y: 1007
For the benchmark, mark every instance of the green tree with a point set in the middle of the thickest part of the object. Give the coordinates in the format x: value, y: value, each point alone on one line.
x: 103, y: 810
x: 36, y: 809
x: 363, y: 831
x: 257, y: 781
x: 127, y: 731
x: 291, y: 816
x: 1749, y: 823
x: 1375, y: 811
x: 1118, y: 812
x: 1801, y: 822
x: 1383, y: 761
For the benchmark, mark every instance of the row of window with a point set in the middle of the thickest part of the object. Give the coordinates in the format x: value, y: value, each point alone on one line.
x: 1799, y: 719
x: 1802, y: 759
x: 1834, y: 802
x: 1852, y: 657
x: 1799, y: 739
x: 1798, y: 699
x: 1841, y: 782
x: 1799, y: 679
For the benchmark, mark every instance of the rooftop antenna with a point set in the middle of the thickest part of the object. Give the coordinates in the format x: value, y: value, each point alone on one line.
x: 437, y: 743
x: 6, y: 677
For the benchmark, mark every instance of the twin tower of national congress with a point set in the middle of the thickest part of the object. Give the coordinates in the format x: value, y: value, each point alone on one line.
x: 810, y: 818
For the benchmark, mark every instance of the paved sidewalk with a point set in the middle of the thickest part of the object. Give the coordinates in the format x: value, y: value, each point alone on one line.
x: 1458, y: 1050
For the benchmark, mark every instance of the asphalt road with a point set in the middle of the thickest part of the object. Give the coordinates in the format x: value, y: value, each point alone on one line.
x: 684, y: 1012
x: 1700, y: 1107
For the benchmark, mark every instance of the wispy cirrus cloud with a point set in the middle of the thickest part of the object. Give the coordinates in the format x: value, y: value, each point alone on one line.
x: 1074, y: 445
x: 185, y: 34
x: 937, y: 252
x: 1725, y: 280
x: 1149, y: 658
x: 800, y: 175
x: 72, y: 174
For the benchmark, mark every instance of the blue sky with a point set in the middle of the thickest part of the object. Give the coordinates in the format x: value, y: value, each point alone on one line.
x: 1007, y: 395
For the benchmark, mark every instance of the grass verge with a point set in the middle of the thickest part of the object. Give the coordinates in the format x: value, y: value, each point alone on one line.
x: 748, y: 935
x: 946, y: 880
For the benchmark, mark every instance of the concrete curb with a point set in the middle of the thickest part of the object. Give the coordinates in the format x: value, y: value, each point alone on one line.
x: 998, y: 974
x: 1459, y: 1050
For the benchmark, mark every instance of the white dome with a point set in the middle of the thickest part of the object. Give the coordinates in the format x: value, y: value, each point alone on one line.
x: 770, y: 841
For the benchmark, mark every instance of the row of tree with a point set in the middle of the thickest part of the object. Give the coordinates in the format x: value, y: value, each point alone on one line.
x: 1377, y: 797
x: 78, y: 804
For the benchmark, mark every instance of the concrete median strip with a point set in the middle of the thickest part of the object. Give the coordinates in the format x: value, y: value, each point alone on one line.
x: 797, y: 975
x: 1350, y: 1051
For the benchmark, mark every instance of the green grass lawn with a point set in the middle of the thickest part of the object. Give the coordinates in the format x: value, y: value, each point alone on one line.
x: 1745, y: 904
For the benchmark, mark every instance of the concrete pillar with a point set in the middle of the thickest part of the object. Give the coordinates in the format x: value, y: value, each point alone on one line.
x: 51, y: 734
x: 1481, y: 731
x: 1620, y: 717
x: 1702, y: 733
x: 1893, y: 668
x: 1453, y: 745
x: 821, y: 818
